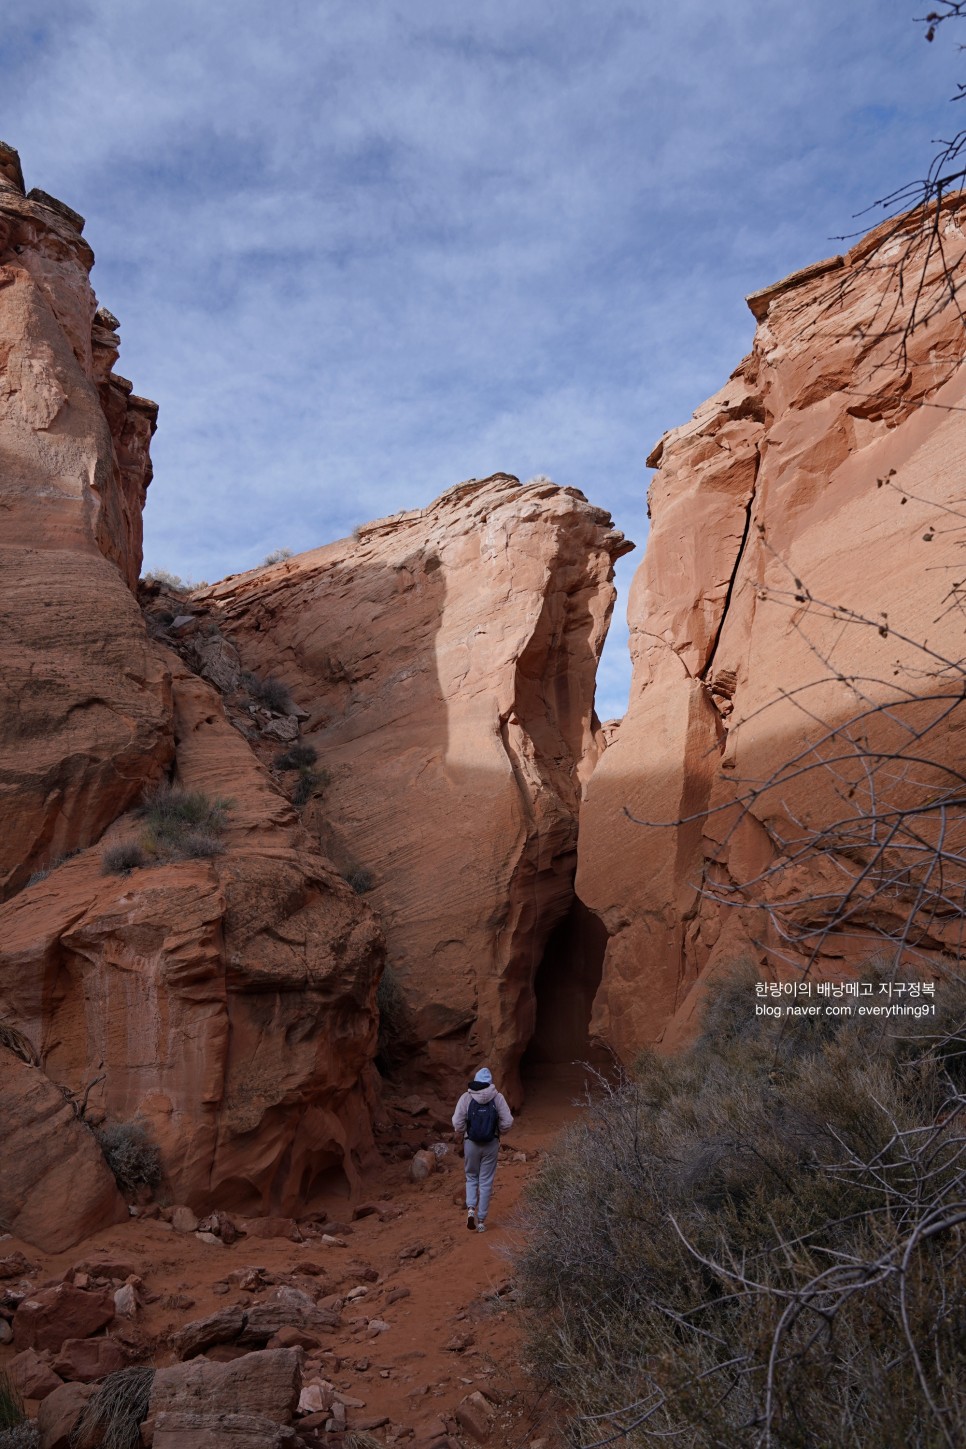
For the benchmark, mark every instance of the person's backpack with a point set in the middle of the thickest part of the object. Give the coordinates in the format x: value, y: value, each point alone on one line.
x: 482, y: 1122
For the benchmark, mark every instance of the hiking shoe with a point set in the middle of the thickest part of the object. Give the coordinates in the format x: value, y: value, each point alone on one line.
x: 481, y: 1226
x: 470, y: 1218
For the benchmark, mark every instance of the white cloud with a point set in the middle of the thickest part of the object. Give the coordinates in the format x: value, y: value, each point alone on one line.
x: 362, y: 252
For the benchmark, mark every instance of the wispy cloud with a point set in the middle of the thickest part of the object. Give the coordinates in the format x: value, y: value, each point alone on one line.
x: 362, y: 252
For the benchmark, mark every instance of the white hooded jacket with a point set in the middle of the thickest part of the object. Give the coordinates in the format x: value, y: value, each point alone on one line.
x: 482, y: 1094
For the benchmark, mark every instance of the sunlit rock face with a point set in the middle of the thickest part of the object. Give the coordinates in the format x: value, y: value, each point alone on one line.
x: 84, y: 704
x: 445, y: 659
x: 819, y: 488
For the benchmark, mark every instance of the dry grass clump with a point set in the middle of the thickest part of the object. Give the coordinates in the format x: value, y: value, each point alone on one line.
x: 131, y: 1155
x: 297, y: 757
x: 274, y: 694
x: 360, y: 878
x: 302, y: 758
x: 114, y: 1413
x: 183, y: 824
x: 760, y: 1242
x: 121, y: 859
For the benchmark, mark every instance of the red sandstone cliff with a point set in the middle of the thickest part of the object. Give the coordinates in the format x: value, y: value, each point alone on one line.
x: 227, y: 1002
x: 828, y: 468
x: 446, y: 660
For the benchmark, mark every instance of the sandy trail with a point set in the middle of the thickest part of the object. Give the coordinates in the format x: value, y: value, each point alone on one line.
x: 453, y: 1331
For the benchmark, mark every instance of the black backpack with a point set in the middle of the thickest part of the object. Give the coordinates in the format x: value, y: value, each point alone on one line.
x: 482, y: 1122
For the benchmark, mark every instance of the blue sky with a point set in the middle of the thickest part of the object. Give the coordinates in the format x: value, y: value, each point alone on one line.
x: 362, y: 251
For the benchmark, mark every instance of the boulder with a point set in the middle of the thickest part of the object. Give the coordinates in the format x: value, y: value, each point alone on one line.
x: 423, y: 1165
x: 85, y: 1360
x: 58, y: 1414
x: 232, y: 1404
x: 55, y: 1187
x: 220, y: 1431
x: 31, y: 1375
x: 48, y: 1318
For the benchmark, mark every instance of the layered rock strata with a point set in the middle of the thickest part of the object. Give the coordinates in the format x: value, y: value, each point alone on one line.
x: 803, y: 571
x: 446, y: 659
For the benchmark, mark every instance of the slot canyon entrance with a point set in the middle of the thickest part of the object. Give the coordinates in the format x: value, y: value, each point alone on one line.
x: 564, y: 989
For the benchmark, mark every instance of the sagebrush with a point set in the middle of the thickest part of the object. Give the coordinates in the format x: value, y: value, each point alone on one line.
x: 183, y: 824
x: 274, y: 694
x: 759, y: 1242
x: 132, y: 1156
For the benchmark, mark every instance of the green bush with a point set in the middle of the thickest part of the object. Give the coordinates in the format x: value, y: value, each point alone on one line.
x: 131, y: 1155
x: 183, y: 824
x: 760, y: 1241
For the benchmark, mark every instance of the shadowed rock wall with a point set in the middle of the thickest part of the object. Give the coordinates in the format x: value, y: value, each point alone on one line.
x: 828, y: 468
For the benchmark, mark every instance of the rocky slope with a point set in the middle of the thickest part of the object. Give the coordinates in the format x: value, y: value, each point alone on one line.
x: 804, y: 559
x: 446, y: 659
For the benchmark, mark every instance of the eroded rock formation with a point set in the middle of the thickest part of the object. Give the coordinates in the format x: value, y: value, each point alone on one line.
x: 446, y: 660
x: 85, y: 713
x: 226, y: 1002
x: 55, y: 1187
x: 820, y: 488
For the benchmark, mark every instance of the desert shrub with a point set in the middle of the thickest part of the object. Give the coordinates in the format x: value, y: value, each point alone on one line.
x: 307, y: 783
x: 173, y: 582
x: 12, y: 1412
x: 131, y: 1155
x: 113, y: 1415
x: 121, y: 859
x: 183, y: 824
x: 272, y: 693
x: 759, y: 1241
x: 278, y: 555
x: 359, y: 878
x: 299, y: 757
x: 14, y: 1040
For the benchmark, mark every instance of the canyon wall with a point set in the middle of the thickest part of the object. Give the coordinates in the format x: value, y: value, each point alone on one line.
x: 85, y: 708
x: 801, y: 590
x: 445, y: 659
x: 226, y: 1001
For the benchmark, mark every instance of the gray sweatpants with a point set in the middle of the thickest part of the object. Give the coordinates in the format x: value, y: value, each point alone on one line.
x: 479, y: 1161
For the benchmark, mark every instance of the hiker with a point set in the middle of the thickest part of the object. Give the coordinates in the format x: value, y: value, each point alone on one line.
x: 482, y: 1114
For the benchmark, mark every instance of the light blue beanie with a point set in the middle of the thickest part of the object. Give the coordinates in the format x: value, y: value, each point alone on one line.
x: 484, y: 1075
